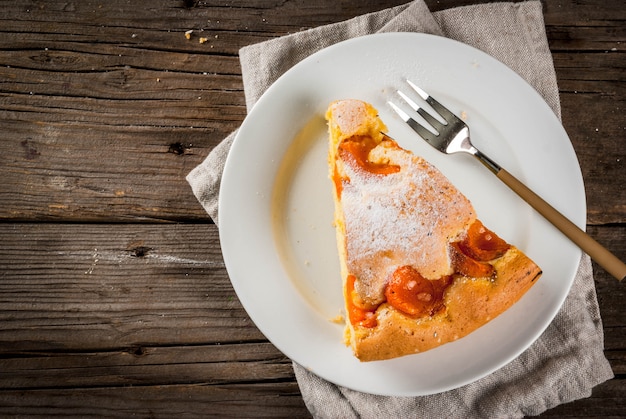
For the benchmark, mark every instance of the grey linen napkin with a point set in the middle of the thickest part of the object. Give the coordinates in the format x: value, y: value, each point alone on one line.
x: 567, y: 361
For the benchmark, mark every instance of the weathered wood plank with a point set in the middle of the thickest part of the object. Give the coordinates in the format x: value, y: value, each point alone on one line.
x: 90, y: 21
x: 200, y: 364
x: 271, y: 400
x: 86, y: 287
x: 99, y: 173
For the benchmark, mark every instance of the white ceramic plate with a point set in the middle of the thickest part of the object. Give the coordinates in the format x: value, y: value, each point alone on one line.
x: 276, y: 206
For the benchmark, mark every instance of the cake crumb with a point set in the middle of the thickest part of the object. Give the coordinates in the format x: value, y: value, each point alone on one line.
x: 202, y: 40
x: 188, y: 33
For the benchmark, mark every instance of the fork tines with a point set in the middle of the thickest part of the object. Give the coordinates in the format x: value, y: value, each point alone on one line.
x: 444, y: 113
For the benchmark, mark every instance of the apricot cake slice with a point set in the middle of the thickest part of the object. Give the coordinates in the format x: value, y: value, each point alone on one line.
x: 418, y: 268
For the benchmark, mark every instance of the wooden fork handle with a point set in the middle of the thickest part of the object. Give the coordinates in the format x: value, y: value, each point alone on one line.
x: 595, y: 250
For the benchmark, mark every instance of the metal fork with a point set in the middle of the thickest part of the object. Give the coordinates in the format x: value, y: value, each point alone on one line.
x: 453, y: 136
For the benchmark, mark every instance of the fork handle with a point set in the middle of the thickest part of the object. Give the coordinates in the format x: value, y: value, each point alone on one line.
x: 595, y: 250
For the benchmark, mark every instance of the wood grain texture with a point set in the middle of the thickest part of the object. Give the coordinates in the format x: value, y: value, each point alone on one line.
x: 83, y: 100
x: 114, y: 298
x: 152, y: 306
x: 270, y: 400
x: 93, y: 287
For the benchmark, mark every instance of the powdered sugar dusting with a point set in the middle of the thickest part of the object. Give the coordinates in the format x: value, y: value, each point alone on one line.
x: 404, y: 218
x: 348, y: 114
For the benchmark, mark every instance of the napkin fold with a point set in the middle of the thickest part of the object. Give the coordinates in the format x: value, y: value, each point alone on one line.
x: 567, y: 361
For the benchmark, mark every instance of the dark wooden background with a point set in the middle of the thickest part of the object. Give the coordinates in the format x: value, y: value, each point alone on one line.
x: 114, y: 299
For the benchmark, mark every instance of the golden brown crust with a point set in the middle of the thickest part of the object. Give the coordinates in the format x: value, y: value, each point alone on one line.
x: 434, y: 214
x: 397, y: 334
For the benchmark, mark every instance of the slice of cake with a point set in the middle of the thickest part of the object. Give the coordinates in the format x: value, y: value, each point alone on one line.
x: 418, y: 268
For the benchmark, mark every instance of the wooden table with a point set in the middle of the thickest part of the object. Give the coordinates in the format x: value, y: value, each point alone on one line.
x: 114, y: 299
